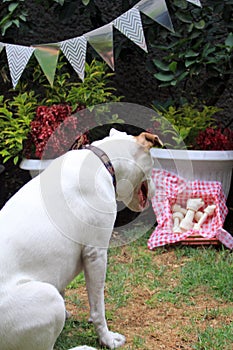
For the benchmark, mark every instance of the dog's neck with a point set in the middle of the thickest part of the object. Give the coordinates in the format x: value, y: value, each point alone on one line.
x: 105, y: 160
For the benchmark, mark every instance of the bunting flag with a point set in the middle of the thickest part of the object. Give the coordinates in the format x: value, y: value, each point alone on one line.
x: 75, y: 52
x: 130, y: 25
x: 157, y: 10
x: 1, y: 47
x: 47, y: 56
x: 18, y: 57
x: 195, y: 2
x: 101, y: 39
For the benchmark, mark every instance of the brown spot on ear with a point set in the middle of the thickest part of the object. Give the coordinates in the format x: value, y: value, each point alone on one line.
x: 148, y: 140
x: 81, y: 140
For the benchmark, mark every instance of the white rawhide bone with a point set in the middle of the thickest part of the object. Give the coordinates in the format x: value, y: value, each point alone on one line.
x: 208, y: 211
x: 198, y: 215
x: 177, y: 208
x: 193, y: 205
x: 177, y: 217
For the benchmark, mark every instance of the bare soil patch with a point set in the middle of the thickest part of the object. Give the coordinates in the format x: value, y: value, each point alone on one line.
x: 158, y: 325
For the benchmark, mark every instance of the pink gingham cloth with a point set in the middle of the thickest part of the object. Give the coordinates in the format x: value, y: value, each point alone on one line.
x: 171, y: 189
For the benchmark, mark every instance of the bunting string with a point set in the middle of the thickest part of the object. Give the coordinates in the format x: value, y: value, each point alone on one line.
x: 101, y: 39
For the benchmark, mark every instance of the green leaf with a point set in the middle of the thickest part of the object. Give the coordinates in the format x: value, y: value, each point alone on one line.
x: 195, y: 35
x: 182, y: 76
x: 5, y: 27
x: 13, y: 7
x: 200, y: 24
x: 229, y: 40
x: 6, y: 112
x: 191, y: 53
x: 164, y: 77
x: 174, y: 82
x: 181, y: 4
x: 60, y: 2
x: 184, y: 132
x: 173, y: 66
x: 208, y: 50
x: 85, y: 2
x: 161, y: 65
x: 23, y: 17
x: 16, y: 22
x: 167, y: 84
x: 189, y: 62
x: 184, y: 17
x: 190, y: 27
x: 16, y: 159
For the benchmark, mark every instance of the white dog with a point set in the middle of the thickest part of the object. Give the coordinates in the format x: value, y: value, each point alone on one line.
x: 59, y: 224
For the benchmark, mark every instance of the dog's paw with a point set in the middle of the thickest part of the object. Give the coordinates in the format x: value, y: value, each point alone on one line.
x: 68, y: 315
x: 84, y: 347
x: 90, y: 320
x: 112, y: 340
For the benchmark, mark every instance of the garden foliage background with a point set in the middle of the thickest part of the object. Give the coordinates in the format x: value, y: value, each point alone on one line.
x: 136, y: 72
x: 57, y: 20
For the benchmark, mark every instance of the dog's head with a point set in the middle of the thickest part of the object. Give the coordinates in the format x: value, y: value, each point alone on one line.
x: 134, y: 184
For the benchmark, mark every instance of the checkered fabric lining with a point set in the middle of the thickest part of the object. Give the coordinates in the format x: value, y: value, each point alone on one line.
x: 171, y: 189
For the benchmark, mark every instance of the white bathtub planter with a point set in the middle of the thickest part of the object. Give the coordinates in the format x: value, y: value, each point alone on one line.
x: 193, y: 165
x: 34, y: 166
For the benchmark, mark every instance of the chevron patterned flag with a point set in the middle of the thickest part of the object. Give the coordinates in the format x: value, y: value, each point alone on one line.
x: 157, y: 10
x: 75, y: 52
x: 195, y: 2
x: 101, y: 39
x: 130, y: 24
x: 18, y: 57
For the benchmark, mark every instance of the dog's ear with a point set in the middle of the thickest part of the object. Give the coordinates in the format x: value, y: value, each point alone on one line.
x: 148, y: 140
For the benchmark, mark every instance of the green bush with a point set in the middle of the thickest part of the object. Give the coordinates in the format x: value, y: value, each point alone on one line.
x: 196, y: 60
x: 12, y: 14
x: 17, y: 113
x: 179, y: 126
x: 15, y: 119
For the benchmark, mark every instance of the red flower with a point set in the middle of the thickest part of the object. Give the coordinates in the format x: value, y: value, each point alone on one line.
x: 215, y: 139
x: 42, y: 140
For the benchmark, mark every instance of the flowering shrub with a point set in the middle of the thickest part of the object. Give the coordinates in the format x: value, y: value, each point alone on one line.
x: 215, y: 139
x: 43, y: 126
x: 192, y: 127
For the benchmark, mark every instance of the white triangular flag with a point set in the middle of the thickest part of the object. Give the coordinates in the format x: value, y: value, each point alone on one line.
x: 18, y: 57
x: 47, y: 57
x: 75, y: 52
x: 157, y: 10
x: 2, y: 45
x: 195, y: 2
x: 101, y: 39
x: 130, y: 24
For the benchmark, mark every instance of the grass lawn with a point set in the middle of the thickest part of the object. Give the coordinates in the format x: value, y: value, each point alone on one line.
x: 174, y: 298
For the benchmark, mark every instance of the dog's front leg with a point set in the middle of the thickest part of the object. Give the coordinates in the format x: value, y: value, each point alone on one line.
x: 95, y: 262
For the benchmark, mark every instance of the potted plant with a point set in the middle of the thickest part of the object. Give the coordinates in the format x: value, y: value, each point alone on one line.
x: 28, y: 120
x: 197, y: 146
x: 38, y: 150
